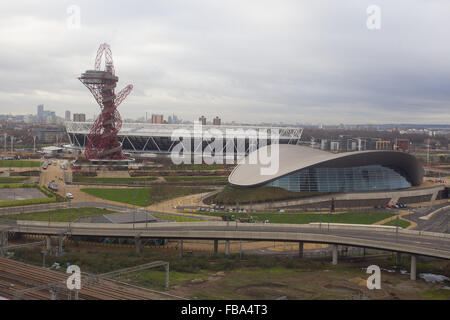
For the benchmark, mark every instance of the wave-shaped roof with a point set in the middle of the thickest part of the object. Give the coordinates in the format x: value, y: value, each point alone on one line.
x: 293, y: 158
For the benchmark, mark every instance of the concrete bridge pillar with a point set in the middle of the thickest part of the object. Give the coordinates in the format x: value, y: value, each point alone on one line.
x: 75, y: 241
x: 216, y: 246
x: 413, y: 274
x: 334, y: 249
x: 60, y: 251
x: 300, y: 249
x: 3, y: 242
x: 181, y: 247
x: 398, y: 258
x: 240, y: 249
x: 48, y: 244
x: 166, y: 267
x: 138, y: 244
x: 227, y: 247
x: 4, y: 238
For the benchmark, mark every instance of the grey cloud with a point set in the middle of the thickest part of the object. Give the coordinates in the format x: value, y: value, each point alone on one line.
x: 291, y: 61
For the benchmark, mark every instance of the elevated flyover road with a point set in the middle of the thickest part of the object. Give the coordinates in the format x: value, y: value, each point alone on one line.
x: 367, y: 236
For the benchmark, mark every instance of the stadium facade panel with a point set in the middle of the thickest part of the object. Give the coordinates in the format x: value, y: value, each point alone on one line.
x: 303, y: 169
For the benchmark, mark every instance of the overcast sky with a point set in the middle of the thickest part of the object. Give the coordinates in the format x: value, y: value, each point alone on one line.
x: 311, y: 61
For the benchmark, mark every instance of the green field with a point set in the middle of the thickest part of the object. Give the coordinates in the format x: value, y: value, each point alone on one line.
x: 187, y: 179
x: 111, y: 180
x: 142, y: 196
x: 58, y: 215
x: 401, y: 223
x: 175, y: 218
x: 12, y: 179
x: 304, y: 218
x: 19, y: 163
x: 230, y: 195
x: 196, y: 167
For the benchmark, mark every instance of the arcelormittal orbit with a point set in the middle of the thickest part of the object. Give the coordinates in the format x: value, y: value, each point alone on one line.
x: 102, y: 142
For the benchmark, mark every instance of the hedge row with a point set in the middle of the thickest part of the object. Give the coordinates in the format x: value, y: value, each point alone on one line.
x: 27, y: 202
x: 18, y: 185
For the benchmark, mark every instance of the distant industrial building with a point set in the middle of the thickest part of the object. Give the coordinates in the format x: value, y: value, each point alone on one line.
x: 79, y: 117
x: 157, y: 118
x: 216, y: 121
x: 402, y: 144
x: 347, y: 143
x: 202, y: 120
x: 383, y: 145
x: 49, y: 134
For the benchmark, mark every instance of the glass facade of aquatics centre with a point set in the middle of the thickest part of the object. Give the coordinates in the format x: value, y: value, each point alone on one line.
x: 362, y: 178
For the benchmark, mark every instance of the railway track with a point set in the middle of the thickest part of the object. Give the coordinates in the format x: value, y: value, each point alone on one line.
x: 16, y: 276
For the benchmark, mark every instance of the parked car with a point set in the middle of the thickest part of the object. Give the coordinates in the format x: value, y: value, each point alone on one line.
x: 53, y: 186
x: 69, y: 195
x: 401, y: 205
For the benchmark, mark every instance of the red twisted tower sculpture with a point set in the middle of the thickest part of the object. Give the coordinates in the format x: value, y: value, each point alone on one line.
x: 102, y: 142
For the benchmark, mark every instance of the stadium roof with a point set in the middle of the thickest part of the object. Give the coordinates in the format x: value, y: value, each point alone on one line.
x: 294, y: 157
x: 166, y: 130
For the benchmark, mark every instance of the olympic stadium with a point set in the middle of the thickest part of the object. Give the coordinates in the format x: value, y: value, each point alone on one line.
x: 303, y: 169
x: 145, y: 138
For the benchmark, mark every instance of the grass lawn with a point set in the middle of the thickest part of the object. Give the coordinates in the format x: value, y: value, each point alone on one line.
x: 19, y: 163
x: 196, y: 167
x: 12, y: 179
x: 210, y: 179
x: 58, y: 215
x: 175, y: 218
x: 304, y: 218
x: 142, y: 196
x: 401, y: 223
x: 230, y: 195
x: 112, y: 180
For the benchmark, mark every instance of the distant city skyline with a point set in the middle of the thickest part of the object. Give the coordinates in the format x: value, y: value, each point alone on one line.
x: 253, y: 62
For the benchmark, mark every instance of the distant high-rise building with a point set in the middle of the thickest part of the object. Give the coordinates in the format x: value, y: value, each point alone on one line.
x: 216, y: 121
x: 67, y: 115
x: 157, y: 118
x: 202, y: 120
x: 40, y: 112
x: 79, y: 117
x: 173, y: 119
